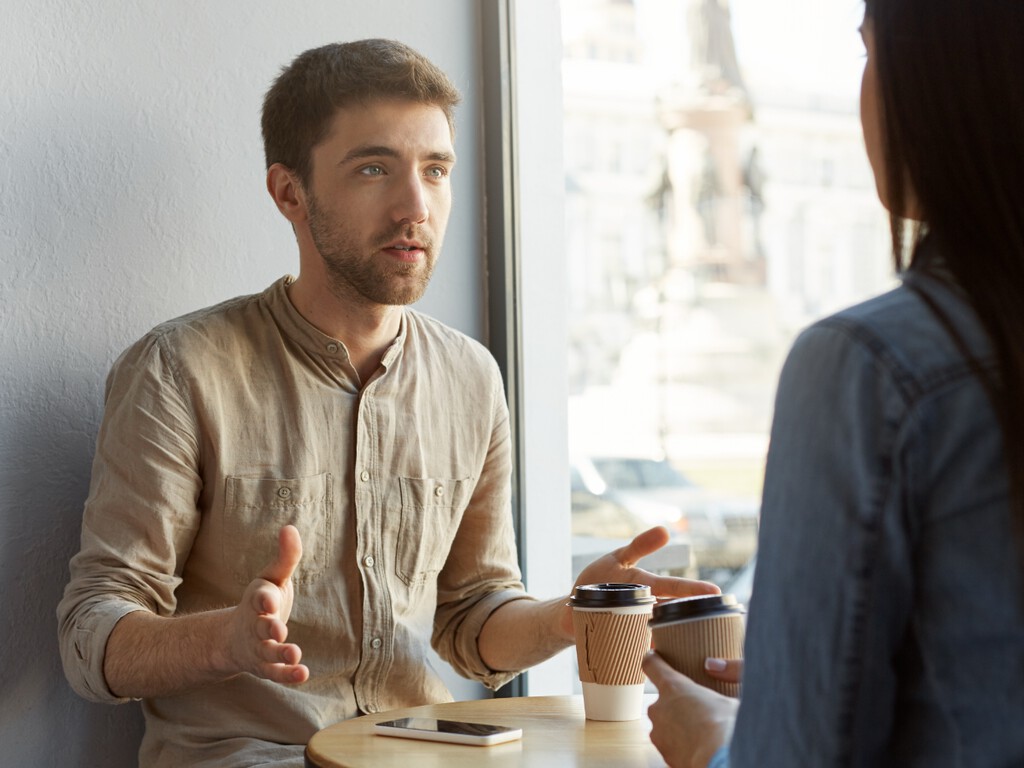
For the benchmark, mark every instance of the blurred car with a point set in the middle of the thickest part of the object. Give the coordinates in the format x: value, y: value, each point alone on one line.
x: 742, y: 583
x: 617, y: 497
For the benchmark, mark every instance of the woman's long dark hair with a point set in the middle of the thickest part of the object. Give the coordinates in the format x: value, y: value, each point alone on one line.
x: 951, y: 85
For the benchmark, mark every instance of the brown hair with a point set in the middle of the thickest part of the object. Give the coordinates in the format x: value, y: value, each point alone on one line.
x: 300, y: 105
x: 949, y: 78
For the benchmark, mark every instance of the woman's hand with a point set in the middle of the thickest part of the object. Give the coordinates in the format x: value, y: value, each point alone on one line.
x: 690, y: 722
x: 726, y: 670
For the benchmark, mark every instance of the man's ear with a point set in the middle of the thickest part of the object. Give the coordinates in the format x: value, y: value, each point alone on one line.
x: 287, y: 193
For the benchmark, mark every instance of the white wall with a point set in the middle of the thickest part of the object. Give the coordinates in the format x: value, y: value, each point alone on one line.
x: 131, y: 190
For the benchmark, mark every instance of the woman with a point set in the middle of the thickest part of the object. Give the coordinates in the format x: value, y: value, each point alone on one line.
x: 887, y: 626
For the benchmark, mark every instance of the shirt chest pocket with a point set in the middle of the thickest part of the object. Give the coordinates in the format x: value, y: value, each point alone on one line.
x: 431, y: 512
x: 256, y: 508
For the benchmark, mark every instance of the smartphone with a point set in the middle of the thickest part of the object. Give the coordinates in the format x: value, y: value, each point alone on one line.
x: 429, y: 729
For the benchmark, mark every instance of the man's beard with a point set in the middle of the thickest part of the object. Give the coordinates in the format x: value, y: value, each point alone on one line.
x: 371, y: 275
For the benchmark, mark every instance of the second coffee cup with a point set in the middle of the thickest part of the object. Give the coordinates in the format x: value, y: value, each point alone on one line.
x: 688, y: 630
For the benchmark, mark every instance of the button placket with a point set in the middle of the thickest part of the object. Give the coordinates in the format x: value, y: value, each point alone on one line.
x: 370, y: 493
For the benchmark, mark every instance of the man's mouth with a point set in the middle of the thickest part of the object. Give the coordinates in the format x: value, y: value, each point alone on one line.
x: 406, y: 244
x: 412, y: 252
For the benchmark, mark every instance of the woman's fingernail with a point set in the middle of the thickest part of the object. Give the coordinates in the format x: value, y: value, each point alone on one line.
x: 714, y: 665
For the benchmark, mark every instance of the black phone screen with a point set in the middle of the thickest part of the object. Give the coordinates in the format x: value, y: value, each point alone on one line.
x: 446, y: 726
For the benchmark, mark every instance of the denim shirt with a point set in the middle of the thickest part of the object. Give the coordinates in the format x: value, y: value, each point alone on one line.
x: 886, y: 625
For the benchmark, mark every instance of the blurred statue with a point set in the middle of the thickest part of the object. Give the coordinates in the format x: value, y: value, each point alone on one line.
x: 753, y: 180
x: 713, y: 49
x: 708, y: 190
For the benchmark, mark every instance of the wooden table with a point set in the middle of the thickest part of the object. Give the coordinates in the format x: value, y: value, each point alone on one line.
x: 555, y: 735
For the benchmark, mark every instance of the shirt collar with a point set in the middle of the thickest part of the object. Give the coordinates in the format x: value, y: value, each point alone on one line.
x: 310, y: 338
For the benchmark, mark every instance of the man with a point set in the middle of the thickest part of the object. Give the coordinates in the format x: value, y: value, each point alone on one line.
x: 294, y: 492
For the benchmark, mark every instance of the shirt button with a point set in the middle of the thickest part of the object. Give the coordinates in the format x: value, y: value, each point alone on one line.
x: 284, y: 492
x: 376, y: 643
x: 364, y: 475
x: 332, y: 348
x: 368, y: 561
x: 439, y: 491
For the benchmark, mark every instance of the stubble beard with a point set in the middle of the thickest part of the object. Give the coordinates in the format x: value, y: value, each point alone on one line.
x: 372, y: 276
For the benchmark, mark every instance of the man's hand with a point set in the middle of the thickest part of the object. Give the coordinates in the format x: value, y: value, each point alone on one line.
x: 690, y: 722
x: 620, y: 566
x: 522, y: 633
x: 149, y: 656
x: 259, y: 624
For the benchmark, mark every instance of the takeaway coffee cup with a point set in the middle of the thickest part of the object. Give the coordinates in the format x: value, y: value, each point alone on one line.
x: 612, y: 636
x: 688, y: 630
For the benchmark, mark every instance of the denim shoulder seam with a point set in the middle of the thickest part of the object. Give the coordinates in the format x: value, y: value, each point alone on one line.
x: 911, y: 388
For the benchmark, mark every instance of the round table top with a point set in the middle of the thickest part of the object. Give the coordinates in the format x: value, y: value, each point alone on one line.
x: 555, y: 735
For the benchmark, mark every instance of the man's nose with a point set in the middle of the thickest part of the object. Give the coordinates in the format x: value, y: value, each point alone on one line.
x: 411, y: 202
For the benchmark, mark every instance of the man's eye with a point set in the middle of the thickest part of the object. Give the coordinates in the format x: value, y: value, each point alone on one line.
x: 437, y: 172
x: 372, y: 170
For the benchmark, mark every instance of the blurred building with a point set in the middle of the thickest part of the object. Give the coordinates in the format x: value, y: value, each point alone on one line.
x: 706, y: 222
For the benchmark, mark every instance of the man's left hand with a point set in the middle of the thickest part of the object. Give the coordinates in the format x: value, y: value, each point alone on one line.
x: 619, y: 566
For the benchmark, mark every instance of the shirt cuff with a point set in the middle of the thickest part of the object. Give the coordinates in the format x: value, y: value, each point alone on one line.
x: 88, y: 649
x: 721, y: 758
x: 473, y: 665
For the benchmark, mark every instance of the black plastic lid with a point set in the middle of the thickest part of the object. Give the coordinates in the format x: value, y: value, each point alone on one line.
x: 610, y: 595
x: 694, y: 607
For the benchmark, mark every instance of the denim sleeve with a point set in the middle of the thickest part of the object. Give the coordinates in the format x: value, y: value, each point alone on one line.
x: 818, y: 683
x: 720, y: 759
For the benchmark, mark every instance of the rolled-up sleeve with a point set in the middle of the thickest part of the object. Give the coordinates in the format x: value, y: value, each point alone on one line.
x: 482, y: 571
x: 140, y: 517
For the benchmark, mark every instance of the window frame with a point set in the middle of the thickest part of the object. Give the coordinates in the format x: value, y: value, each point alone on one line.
x: 526, y: 288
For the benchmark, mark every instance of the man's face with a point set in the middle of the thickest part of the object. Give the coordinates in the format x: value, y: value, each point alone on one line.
x: 379, y: 198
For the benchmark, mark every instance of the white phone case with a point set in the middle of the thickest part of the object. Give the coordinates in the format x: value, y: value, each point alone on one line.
x: 450, y: 731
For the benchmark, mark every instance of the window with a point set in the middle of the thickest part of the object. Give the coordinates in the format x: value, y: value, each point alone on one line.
x: 717, y: 201
x: 710, y: 198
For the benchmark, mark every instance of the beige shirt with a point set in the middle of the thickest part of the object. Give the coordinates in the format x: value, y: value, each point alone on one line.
x: 224, y: 425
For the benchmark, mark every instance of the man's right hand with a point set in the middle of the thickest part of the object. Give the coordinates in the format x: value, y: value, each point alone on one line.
x: 149, y: 656
x: 259, y: 624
